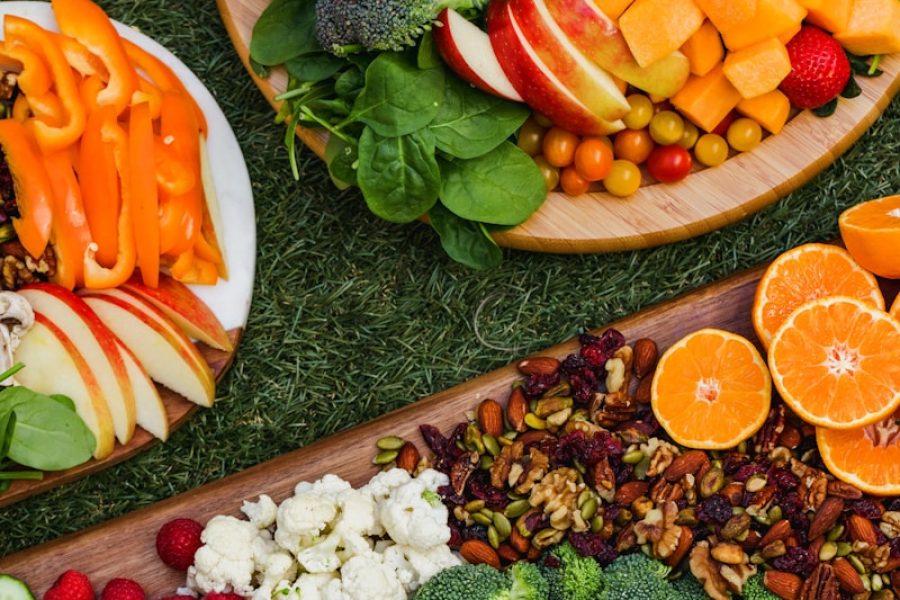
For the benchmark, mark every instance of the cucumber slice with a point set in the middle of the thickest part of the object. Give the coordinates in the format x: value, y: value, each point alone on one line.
x: 13, y: 589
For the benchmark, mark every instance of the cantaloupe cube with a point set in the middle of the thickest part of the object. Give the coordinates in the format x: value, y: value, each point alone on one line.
x: 707, y: 100
x: 772, y: 18
x: 728, y: 14
x: 832, y: 15
x: 758, y: 69
x: 788, y: 35
x: 704, y: 49
x: 613, y: 8
x: 874, y: 28
x: 654, y: 29
x: 769, y: 110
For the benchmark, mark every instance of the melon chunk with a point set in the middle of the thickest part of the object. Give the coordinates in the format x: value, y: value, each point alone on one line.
x: 772, y: 18
x: 788, y: 35
x: 655, y: 29
x: 704, y: 50
x: 832, y: 15
x: 874, y: 28
x: 728, y: 14
x: 613, y: 8
x: 707, y: 100
x: 758, y: 69
x: 769, y: 110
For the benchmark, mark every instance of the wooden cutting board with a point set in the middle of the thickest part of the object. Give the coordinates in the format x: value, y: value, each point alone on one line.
x: 657, y: 214
x: 124, y: 547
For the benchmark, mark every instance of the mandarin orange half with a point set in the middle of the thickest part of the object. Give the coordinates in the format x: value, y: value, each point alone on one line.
x: 836, y: 363
x: 868, y: 458
x: 711, y: 390
x: 871, y: 232
x: 895, y: 308
x: 805, y: 273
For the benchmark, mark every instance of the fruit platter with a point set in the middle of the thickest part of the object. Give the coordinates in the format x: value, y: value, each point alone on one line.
x: 648, y: 121
x: 737, y: 442
x: 117, y: 322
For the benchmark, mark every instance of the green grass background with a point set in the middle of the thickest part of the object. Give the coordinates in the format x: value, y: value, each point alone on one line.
x: 353, y: 317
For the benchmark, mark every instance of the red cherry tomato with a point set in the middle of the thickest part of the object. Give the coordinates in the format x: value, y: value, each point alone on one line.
x: 669, y: 163
x: 572, y: 183
x: 593, y: 159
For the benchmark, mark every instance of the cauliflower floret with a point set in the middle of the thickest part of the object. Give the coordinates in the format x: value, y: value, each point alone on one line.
x: 381, y: 486
x: 278, y: 567
x: 302, y: 519
x: 321, y: 557
x: 412, y: 518
x: 433, y: 479
x: 365, y: 577
x: 226, y: 561
x: 319, y: 586
x: 428, y: 563
x: 261, y: 513
x: 330, y: 485
x: 393, y: 557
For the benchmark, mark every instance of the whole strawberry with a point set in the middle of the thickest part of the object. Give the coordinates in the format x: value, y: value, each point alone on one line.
x: 177, y: 541
x: 218, y: 596
x: 122, y: 589
x: 71, y: 585
x: 819, y: 69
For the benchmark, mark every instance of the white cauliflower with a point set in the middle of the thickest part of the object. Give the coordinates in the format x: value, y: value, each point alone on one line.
x: 261, y: 513
x: 319, y: 586
x: 393, y: 557
x: 366, y: 577
x: 227, y: 560
x: 412, y: 513
x: 278, y: 567
x: 429, y: 562
x: 381, y: 486
x: 302, y: 519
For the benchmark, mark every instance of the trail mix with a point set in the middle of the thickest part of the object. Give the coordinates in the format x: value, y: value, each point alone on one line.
x: 576, y: 454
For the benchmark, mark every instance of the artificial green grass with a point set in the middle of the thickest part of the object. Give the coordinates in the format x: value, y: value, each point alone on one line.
x: 353, y: 317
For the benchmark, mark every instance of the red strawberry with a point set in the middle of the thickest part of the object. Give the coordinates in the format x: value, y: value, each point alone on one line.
x: 123, y: 589
x: 819, y: 68
x: 215, y: 596
x: 177, y: 541
x: 71, y: 585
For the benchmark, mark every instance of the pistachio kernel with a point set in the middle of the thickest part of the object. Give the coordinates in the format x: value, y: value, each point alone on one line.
x: 517, y: 508
x: 535, y: 422
x: 390, y: 442
x: 844, y: 548
x: 491, y: 444
x: 493, y: 537
x: 384, y: 457
x: 481, y: 519
x: 756, y: 483
x: 712, y: 482
x: 633, y: 457
x: 589, y: 509
x: 597, y: 524
x: 474, y: 506
x: 827, y: 551
x: 835, y: 533
x: 486, y: 462
x: 502, y: 525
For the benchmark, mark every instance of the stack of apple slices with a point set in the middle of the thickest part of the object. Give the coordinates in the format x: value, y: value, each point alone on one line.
x: 104, y: 348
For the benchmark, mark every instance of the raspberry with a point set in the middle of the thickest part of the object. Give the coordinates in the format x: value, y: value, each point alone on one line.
x: 71, y: 585
x: 123, y: 589
x: 177, y: 541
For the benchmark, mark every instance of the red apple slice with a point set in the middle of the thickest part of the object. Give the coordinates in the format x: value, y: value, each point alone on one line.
x: 185, y: 309
x: 150, y: 412
x: 540, y: 88
x: 95, y: 342
x: 53, y: 365
x: 467, y: 50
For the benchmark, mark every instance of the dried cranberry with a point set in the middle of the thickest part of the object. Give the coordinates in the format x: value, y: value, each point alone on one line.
x: 895, y: 547
x: 792, y: 509
x: 456, y: 538
x: 894, y: 505
x: 537, y: 385
x: 714, y: 509
x: 609, y: 341
x: 588, y: 450
x: 796, y: 560
x: 624, y: 473
x: 594, y: 356
x: 572, y: 364
x: 582, y: 389
x: 480, y: 487
x: 747, y: 471
x: 475, y: 532
x: 783, y: 479
x: 734, y: 461
x: 551, y: 560
x: 434, y: 438
x: 866, y: 508
x: 591, y: 544
x: 535, y: 521
x: 449, y: 496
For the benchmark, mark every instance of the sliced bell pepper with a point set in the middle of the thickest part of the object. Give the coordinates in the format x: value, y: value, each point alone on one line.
x: 88, y: 89
x: 34, y: 78
x: 51, y: 137
x: 149, y: 93
x: 142, y: 189
x: 172, y: 175
x: 21, y: 111
x: 80, y: 58
x: 48, y: 109
x: 89, y: 25
x: 181, y: 214
x: 99, y: 179
x: 34, y: 194
x: 70, y: 234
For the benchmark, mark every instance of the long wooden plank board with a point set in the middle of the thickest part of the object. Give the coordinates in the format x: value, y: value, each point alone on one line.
x: 124, y: 547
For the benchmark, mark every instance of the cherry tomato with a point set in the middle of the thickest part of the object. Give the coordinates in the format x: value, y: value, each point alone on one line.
x: 669, y: 163
x: 572, y: 183
x: 744, y: 135
x: 559, y: 147
x: 641, y: 112
x: 542, y: 120
x: 531, y: 137
x: 548, y: 172
x: 624, y: 178
x: 633, y: 145
x: 724, y: 124
x: 690, y: 135
x: 666, y: 127
x: 711, y: 150
x: 593, y: 159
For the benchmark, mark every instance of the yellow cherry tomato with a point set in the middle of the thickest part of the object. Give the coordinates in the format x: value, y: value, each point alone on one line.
x: 548, y: 172
x: 666, y: 128
x: 690, y: 135
x: 711, y: 150
x: 531, y: 137
x: 641, y: 111
x: 744, y: 135
x: 624, y: 178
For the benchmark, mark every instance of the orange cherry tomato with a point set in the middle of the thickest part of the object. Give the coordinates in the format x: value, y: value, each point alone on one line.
x: 559, y: 146
x: 593, y: 159
x: 572, y: 183
x: 633, y: 145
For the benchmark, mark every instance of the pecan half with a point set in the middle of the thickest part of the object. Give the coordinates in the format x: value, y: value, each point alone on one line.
x: 821, y: 585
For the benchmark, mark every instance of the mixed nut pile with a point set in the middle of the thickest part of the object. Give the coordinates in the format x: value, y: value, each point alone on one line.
x: 577, y: 454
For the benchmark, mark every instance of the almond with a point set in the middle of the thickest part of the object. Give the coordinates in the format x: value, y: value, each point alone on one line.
x: 519, y: 542
x: 733, y: 492
x: 645, y: 357
x: 631, y: 491
x: 685, y: 540
x: 844, y: 490
x: 535, y: 436
x: 508, y: 553
x: 688, y: 463
x: 644, y: 392
x: 516, y: 409
x: 790, y: 437
x: 784, y: 585
x: 777, y: 532
x: 826, y: 517
x: 862, y: 530
x: 476, y: 552
x: 490, y: 417
x: 847, y: 576
x: 539, y: 365
x: 408, y: 457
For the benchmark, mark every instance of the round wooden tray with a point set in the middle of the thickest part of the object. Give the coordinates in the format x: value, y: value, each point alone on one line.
x: 657, y: 214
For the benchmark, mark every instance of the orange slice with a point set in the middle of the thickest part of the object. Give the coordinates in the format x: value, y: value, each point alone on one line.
x: 895, y: 308
x: 871, y: 232
x: 711, y: 390
x: 836, y: 363
x: 868, y: 458
x: 805, y: 273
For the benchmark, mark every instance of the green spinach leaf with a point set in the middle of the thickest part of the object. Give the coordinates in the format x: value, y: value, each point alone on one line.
x: 7, y: 423
x: 464, y: 241
x: 427, y: 56
x: 399, y: 176
x: 349, y: 84
x: 503, y: 187
x: 318, y: 66
x: 286, y: 29
x: 340, y: 158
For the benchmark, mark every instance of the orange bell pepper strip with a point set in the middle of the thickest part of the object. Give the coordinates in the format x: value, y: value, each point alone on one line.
x: 80, y: 58
x: 181, y: 215
x: 51, y: 137
x: 90, y: 26
x: 34, y: 194
x: 149, y: 93
x: 89, y: 88
x: 172, y: 175
x: 21, y: 110
x: 34, y: 78
x: 70, y: 234
x: 48, y: 109
x: 142, y: 189
x: 99, y: 180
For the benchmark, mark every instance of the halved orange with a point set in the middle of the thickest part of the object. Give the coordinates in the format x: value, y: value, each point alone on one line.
x: 868, y: 458
x: 711, y: 390
x: 805, y: 273
x: 836, y: 363
x: 871, y: 232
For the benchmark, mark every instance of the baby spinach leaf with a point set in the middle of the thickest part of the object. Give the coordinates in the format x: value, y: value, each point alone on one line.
x: 399, y: 176
x: 314, y: 67
x: 399, y: 98
x: 65, y: 401
x: 503, y: 187
x: 427, y: 56
x: 340, y: 157
x: 48, y: 435
x: 471, y: 123
x: 285, y: 29
x: 349, y: 84
x: 464, y: 241
x: 7, y: 423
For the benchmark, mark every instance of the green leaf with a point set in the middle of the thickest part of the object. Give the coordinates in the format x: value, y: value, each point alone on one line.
x: 399, y: 176
x: 503, y: 187
x: 5, y: 484
x: 826, y: 110
x: 314, y: 67
x: 466, y: 242
x: 852, y: 89
x: 286, y: 29
x: 349, y: 84
x: 399, y: 98
x: 7, y: 424
x: 427, y: 55
x: 340, y: 158
x: 65, y: 401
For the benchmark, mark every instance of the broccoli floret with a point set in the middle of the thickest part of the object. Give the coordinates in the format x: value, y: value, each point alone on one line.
x: 689, y: 588
x: 527, y: 583
x: 346, y: 26
x: 570, y: 575
x: 755, y: 590
x: 522, y: 581
x: 635, y: 576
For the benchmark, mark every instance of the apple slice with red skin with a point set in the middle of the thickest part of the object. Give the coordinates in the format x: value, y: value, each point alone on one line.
x: 540, y: 88
x: 150, y: 412
x: 184, y: 308
x: 598, y: 36
x: 53, y: 365
x: 467, y: 50
x: 95, y: 342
